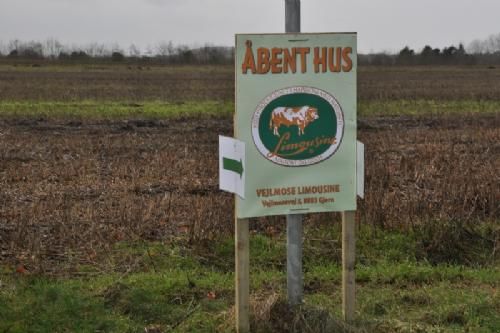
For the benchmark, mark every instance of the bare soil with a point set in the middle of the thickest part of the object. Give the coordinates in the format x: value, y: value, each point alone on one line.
x: 195, y: 83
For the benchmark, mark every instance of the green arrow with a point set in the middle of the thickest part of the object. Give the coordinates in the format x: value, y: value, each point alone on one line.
x: 233, y: 165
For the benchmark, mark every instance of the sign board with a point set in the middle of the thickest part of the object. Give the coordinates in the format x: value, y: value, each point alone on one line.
x: 296, y: 113
x: 232, y: 165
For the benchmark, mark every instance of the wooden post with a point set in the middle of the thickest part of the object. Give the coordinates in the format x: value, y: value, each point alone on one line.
x: 348, y: 261
x: 293, y: 222
x: 242, y: 262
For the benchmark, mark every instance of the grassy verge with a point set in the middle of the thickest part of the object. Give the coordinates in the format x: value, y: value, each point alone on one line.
x: 422, y: 107
x: 99, y: 110
x: 180, y: 288
x: 112, y: 110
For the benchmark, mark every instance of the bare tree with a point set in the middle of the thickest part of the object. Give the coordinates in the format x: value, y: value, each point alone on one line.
x: 164, y: 49
x: 149, y: 51
x: 52, y: 48
x: 134, y: 51
x: 14, y: 45
x: 96, y: 50
x: 494, y: 43
x: 489, y: 45
x: 3, y: 49
x: 476, y: 47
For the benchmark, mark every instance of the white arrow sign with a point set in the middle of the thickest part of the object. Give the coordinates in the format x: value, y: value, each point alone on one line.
x: 232, y: 165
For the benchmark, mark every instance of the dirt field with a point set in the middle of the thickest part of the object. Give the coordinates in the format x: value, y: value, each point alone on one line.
x: 139, y: 83
x: 111, y: 218
x: 70, y: 190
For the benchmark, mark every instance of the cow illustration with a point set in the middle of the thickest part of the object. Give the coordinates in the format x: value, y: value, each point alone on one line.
x: 289, y: 116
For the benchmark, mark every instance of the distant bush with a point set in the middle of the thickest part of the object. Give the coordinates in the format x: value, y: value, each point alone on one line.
x: 63, y: 56
x: 406, y: 56
x: 26, y: 53
x: 79, y: 55
x: 117, y: 56
x: 13, y: 54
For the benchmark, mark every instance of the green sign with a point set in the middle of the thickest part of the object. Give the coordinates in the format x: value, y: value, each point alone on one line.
x: 299, y: 126
x: 296, y: 113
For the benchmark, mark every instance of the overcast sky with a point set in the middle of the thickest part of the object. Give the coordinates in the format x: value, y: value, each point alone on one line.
x: 382, y: 25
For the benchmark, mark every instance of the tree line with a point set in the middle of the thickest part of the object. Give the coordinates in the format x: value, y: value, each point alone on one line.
x: 163, y: 52
x: 452, y: 55
x: 486, y: 52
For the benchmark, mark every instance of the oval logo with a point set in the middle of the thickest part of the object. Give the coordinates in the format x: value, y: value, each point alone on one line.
x: 298, y: 126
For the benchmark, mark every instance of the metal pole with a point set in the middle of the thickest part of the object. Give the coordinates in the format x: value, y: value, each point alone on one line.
x: 294, y: 277
x: 293, y: 222
x: 292, y: 15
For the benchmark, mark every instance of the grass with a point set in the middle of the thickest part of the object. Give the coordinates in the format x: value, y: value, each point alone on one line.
x: 106, y: 110
x: 189, y: 288
x: 425, y: 107
x: 112, y: 110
